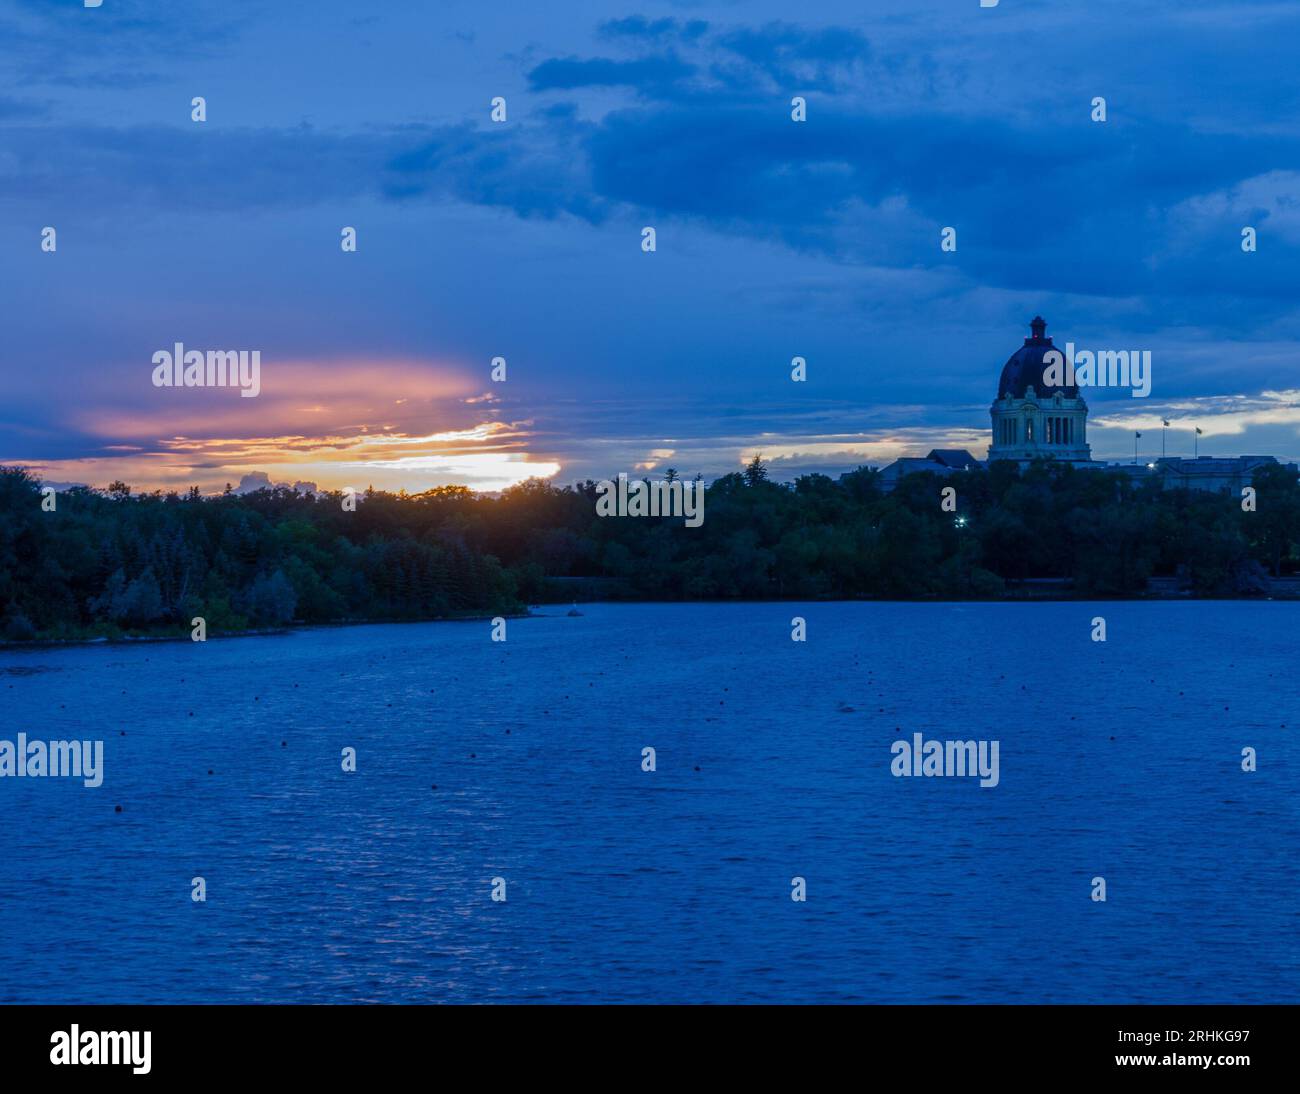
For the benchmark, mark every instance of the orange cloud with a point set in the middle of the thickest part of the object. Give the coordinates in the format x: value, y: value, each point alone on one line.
x: 393, y: 424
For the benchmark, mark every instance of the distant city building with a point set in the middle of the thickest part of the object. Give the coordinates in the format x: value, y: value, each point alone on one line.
x: 1216, y: 473
x: 1035, y: 420
x: 941, y: 461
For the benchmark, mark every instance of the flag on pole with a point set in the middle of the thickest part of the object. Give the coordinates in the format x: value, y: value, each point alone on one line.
x: 1198, y: 431
x: 1164, y: 423
x: 1137, y: 434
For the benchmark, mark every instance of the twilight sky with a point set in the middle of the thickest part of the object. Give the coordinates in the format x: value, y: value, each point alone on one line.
x: 523, y: 239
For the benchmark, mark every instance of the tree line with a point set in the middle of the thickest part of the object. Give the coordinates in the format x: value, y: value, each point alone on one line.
x: 115, y: 562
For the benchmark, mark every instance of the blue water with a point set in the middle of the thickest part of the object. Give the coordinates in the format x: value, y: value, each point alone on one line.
x: 1120, y: 760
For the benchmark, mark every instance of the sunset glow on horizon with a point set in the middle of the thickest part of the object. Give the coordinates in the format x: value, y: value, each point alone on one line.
x: 397, y: 425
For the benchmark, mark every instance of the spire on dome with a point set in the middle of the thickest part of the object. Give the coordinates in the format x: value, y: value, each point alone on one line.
x: 1038, y: 325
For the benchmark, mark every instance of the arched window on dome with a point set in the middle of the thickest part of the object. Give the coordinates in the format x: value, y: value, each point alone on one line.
x: 1029, y: 431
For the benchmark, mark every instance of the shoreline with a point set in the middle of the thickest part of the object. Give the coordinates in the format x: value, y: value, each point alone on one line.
x: 263, y: 632
x: 252, y: 632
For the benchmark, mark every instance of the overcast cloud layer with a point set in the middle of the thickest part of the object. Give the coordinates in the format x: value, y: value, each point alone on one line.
x: 522, y: 239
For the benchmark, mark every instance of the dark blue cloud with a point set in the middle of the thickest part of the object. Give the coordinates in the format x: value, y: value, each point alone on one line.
x: 11, y: 109
x: 651, y: 75
x: 1040, y: 204
x: 1081, y: 209
x: 797, y: 56
x: 639, y: 27
x: 140, y: 168
x: 534, y: 171
x: 121, y: 44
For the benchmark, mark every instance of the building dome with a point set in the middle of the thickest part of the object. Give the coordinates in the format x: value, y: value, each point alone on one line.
x: 1025, y: 367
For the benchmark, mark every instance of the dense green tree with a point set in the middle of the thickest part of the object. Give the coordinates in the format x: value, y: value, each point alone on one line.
x: 116, y: 561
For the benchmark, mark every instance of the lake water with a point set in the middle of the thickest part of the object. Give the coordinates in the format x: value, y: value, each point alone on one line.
x: 1119, y: 759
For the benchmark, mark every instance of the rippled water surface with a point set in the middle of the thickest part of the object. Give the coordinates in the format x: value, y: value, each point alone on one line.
x: 1120, y: 760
